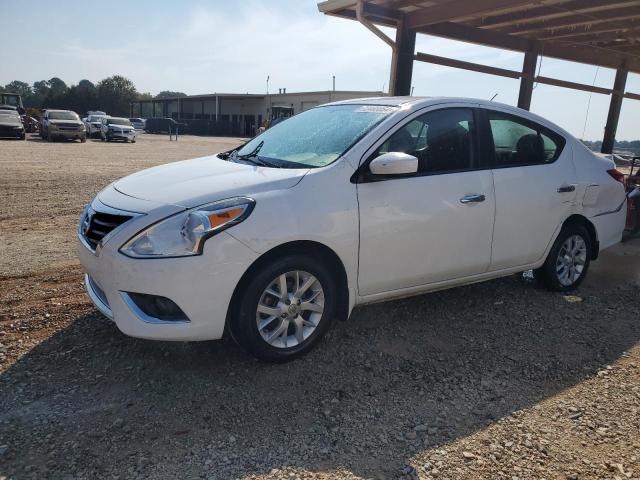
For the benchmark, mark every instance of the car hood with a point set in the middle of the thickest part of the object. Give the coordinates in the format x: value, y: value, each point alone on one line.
x: 10, y: 121
x: 121, y: 127
x: 190, y: 183
x: 75, y: 122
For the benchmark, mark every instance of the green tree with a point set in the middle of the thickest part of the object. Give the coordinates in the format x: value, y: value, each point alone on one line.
x: 115, y: 95
x: 39, y: 93
x: 169, y: 94
x: 83, y: 97
x: 56, y: 96
x: 21, y: 88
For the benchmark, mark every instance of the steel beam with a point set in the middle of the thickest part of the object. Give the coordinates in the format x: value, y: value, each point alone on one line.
x: 402, y: 61
x: 614, y: 110
x: 526, y: 81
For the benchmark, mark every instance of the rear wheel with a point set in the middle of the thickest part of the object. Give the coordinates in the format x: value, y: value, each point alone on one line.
x: 285, y: 308
x: 568, y: 261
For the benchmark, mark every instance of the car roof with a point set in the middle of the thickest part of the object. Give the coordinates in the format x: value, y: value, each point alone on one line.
x: 54, y: 110
x: 415, y: 103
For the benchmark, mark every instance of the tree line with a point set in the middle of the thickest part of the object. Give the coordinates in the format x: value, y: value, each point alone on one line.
x: 112, y: 95
x: 620, y: 145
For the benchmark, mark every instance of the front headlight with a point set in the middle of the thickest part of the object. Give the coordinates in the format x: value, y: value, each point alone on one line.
x: 184, y: 234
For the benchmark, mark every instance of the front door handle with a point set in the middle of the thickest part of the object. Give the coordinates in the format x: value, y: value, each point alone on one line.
x: 473, y: 198
x: 566, y: 188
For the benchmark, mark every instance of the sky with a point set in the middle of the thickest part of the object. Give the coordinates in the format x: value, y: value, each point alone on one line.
x: 232, y: 46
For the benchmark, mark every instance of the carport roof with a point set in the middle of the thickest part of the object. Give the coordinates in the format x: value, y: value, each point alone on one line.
x: 597, y: 32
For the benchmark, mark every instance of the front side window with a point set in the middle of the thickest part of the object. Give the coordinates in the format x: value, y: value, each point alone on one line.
x: 315, y: 138
x: 520, y: 142
x: 441, y: 140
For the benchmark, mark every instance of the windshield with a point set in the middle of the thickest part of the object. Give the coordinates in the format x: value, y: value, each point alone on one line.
x: 63, y: 116
x: 96, y: 118
x: 118, y: 121
x: 317, y: 137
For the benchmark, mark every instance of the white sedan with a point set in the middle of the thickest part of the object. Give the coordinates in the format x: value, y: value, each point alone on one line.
x: 345, y: 204
x: 115, y: 128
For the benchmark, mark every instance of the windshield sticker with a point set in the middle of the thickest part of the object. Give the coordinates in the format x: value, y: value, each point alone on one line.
x: 375, y: 109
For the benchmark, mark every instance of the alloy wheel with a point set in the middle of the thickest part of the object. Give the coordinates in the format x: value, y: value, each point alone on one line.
x: 290, y: 309
x: 571, y: 260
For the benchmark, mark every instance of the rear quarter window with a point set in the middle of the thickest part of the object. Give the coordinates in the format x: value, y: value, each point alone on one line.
x: 518, y: 141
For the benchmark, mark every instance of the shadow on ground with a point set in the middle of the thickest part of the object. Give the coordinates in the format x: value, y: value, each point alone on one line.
x: 90, y: 402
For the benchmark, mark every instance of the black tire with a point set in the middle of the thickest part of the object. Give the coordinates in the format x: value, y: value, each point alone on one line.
x: 548, y: 275
x: 49, y: 137
x: 243, y: 324
x: 83, y: 139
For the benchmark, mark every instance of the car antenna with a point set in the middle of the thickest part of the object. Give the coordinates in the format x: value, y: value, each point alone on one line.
x: 493, y: 97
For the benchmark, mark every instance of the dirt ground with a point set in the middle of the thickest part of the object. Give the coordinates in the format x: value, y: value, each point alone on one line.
x: 496, y: 380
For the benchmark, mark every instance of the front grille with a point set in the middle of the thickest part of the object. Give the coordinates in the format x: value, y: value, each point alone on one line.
x: 97, y: 225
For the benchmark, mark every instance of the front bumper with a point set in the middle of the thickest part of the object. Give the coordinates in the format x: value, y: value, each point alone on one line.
x: 69, y: 134
x: 10, y: 132
x: 122, y: 135
x: 201, y: 286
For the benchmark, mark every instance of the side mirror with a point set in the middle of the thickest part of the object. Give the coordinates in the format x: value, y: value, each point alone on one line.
x: 394, y: 163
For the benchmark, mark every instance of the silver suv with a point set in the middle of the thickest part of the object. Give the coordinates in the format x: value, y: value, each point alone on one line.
x: 62, y: 124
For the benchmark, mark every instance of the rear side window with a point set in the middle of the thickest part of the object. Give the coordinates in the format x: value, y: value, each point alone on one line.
x: 442, y: 140
x: 518, y: 142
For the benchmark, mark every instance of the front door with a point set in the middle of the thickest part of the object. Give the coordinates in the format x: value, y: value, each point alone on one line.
x: 432, y: 226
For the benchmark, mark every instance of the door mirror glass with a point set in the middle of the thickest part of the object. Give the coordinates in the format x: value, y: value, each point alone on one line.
x: 394, y: 163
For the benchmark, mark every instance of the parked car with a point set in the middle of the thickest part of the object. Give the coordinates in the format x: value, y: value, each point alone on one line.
x: 115, y: 128
x: 345, y: 204
x: 138, y: 123
x: 65, y: 124
x: 163, y: 125
x: 11, y: 125
x: 93, y: 125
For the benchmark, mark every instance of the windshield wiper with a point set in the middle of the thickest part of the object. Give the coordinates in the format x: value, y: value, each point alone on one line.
x: 253, y: 157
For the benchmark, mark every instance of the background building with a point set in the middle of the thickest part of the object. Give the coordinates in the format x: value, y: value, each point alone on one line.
x: 237, y: 114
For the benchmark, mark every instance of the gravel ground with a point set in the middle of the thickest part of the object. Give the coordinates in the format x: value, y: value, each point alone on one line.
x: 496, y: 380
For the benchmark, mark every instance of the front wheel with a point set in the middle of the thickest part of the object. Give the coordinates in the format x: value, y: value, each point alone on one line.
x: 568, y: 261
x: 284, y: 308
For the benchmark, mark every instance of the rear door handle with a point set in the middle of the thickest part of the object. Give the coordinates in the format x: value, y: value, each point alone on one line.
x: 566, y: 188
x: 473, y: 198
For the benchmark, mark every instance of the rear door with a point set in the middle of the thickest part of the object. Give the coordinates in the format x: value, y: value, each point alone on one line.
x: 434, y: 225
x: 535, y: 187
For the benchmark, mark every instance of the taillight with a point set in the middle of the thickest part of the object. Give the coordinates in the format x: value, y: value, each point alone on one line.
x: 618, y: 176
